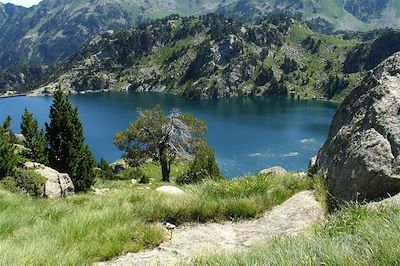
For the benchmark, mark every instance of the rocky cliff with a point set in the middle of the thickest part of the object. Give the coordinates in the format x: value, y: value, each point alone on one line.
x: 361, y: 157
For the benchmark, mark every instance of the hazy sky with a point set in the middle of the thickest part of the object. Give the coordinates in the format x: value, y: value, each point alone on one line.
x: 26, y: 3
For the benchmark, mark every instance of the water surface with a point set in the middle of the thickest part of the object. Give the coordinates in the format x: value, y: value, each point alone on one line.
x: 248, y: 134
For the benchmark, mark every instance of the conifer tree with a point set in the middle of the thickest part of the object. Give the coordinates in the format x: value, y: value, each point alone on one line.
x: 35, y: 140
x: 67, y: 149
x: 8, y: 157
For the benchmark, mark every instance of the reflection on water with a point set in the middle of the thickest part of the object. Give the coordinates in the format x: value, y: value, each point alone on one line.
x: 248, y: 134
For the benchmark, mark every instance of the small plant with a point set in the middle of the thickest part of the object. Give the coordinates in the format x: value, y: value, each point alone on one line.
x: 106, y: 171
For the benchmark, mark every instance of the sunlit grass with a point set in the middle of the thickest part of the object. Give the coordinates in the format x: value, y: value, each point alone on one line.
x: 87, y: 228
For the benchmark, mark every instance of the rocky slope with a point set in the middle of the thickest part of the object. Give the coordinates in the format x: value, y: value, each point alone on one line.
x: 54, y: 29
x: 361, y: 157
x: 212, y: 57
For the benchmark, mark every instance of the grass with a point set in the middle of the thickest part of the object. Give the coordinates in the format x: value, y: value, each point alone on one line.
x: 354, y: 236
x: 87, y: 228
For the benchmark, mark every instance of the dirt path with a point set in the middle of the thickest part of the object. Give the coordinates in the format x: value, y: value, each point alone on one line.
x: 188, y: 242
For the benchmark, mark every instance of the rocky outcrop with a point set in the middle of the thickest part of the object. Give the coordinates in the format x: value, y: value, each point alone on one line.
x: 361, y: 157
x: 118, y: 166
x: 57, y: 184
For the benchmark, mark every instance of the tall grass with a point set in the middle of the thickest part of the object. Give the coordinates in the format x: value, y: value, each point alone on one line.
x: 354, y: 236
x: 86, y: 228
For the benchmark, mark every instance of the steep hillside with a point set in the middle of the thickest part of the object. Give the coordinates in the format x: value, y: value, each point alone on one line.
x: 54, y: 29
x: 212, y: 57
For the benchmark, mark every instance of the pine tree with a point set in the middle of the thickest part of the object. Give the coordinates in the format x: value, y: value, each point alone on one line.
x: 8, y: 157
x: 35, y: 140
x: 67, y: 149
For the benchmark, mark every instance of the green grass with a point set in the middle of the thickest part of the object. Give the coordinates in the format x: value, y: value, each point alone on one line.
x: 87, y: 228
x: 355, y: 236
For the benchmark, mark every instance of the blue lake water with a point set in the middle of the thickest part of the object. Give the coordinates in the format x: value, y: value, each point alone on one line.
x: 248, y: 134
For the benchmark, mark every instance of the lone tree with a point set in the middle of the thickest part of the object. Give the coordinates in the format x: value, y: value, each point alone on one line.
x: 35, y: 139
x: 67, y: 151
x: 157, y: 136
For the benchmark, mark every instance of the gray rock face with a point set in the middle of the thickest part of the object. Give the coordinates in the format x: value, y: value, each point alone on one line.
x: 119, y: 166
x: 361, y: 157
x: 57, y: 184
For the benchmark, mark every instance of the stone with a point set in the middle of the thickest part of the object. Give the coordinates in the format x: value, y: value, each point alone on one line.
x: 274, y: 171
x: 57, y: 184
x: 360, y: 160
x: 300, y: 175
x: 119, y: 166
x: 134, y: 181
x: 312, y: 166
x: 170, y: 190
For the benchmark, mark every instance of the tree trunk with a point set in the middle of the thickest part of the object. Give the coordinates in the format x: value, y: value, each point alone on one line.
x: 165, y: 168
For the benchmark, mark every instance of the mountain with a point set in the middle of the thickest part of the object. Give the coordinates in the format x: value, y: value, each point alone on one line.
x: 54, y: 29
x: 212, y: 57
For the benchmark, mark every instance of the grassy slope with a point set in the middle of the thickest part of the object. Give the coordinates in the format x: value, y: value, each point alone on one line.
x: 355, y: 236
x: 86, y: 228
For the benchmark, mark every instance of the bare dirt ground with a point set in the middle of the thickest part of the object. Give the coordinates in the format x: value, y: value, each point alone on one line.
x: 190, y: 241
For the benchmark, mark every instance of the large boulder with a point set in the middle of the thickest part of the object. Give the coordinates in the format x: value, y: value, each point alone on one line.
x: 361, y: 157
x: 57, y: 184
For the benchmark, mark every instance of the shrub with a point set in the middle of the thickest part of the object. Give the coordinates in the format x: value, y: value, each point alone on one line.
x: 132, y: 173
x: 29, y: 182
x: 8, y: 183
x: 204, y: 166
x: 106, y: 171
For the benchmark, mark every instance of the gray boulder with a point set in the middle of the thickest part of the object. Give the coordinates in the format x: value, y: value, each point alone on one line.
x: 57, y: 184
x: 273, y: 171
x: 361, y: 157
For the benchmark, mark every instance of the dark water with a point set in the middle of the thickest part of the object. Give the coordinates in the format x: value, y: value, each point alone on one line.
x: 248, y: 134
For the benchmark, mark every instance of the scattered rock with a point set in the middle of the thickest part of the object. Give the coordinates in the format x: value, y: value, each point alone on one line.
x: 119, y: 166
x: 300, y: 175
x: 274, y: 171
x: 102, y: 191
x: 170, y: 190
x: 57, y: 184
x: 361, y: 157
x: 312, y: 166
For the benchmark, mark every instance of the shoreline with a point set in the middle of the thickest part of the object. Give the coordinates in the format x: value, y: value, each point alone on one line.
x: 13, y: 95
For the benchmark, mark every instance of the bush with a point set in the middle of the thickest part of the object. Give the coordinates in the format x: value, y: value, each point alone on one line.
x: 204, y: 166
x: 133, y: 173
x: 29, y: 182
x: 8, y: 183
x: 106, y: 171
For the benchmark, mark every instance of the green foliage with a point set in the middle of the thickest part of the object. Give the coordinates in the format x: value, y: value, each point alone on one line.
x: 203, y: 167
x: 67, y: 149
x: 8, y: 157
x: 35, y: 140
x: 105, y: 170
x: 8, y: 183
x: 132, y: 173
x: 155, y: 136
x: 29, y: 182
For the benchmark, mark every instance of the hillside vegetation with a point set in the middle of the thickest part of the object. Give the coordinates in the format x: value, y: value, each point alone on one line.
x: 52, y: 30
x: 213, y: 57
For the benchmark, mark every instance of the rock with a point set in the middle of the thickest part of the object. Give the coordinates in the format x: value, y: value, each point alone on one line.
x: 134, y: 181
x: 312, y: 166
x: 102, y: 191
x: 170, y: 190
x: 119, y: 166
x: 274, y: 171
x: 361, y: 158
x: 57, y: 184
x: 300, y: 174
x: 20, y: 138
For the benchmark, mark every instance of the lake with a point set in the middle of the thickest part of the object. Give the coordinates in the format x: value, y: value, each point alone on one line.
x: 248, y: 134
